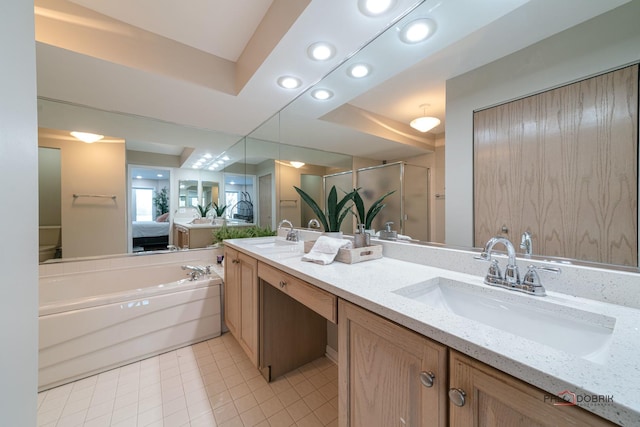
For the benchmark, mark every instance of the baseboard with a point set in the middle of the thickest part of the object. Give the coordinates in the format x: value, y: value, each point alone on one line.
x: 332, y: 354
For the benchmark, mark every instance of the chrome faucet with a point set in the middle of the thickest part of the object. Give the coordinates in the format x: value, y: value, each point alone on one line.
x: 511, y: 274
x: 530, y: 284
x: 313, y: 223
x: 526, y: 243
x: 292, y: 235
x: 197, y: 271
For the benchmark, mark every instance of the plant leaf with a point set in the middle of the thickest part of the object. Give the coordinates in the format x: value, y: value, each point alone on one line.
x: 375, y: 209
x: 332, y: 210
x: 359, y: 203
x: 314, y: 206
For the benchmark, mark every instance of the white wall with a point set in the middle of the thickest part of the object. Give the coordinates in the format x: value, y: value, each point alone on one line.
x: 19, y: 174
x: 596, y: 46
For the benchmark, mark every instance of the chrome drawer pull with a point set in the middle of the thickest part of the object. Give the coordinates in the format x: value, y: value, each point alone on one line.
x: 457, y: 396
x: 426, y: 378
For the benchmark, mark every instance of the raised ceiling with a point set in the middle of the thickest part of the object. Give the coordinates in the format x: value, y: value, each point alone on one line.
x: 214, y: 64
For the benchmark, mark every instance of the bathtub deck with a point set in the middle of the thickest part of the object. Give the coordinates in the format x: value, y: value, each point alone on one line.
x: 207, y: 384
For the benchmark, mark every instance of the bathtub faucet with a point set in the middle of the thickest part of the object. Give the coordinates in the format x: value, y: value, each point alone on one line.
x: 197, y: 271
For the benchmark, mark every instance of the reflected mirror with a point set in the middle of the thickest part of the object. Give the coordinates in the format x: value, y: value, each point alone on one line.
x: 188, y: 194
x: 210, y: 193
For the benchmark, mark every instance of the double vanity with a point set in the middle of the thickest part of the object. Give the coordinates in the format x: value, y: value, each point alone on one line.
x: 419, y: 344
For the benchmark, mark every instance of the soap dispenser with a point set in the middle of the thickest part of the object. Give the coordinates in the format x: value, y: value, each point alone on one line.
x: 361, y: 239
x: 387, y: 233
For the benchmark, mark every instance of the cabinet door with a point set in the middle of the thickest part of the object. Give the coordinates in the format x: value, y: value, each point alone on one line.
x: 232, y: 291
x: 248, y: 332
x: 386, y: 371
x: 494, y: 398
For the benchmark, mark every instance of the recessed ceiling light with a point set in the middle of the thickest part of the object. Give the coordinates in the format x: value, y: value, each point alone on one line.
x: 207, y: 156
x: 289, y: 82
x: 322, y: 94
x: 159, y: 175
x: 417, y: 30
x: 375, y: 7
x: 321, y: 51
x: 296, y: 165
x: 226, y: 158
x: 87, y: 137
x: 359, y: 70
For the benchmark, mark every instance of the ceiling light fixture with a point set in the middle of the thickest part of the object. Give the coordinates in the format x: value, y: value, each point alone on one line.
x: 87, y: 137
x: 424, y: 123
x: 321, y: 51
x: 322, y: 94
x: 296, y: 165
x: 375, y: 7
x: 289, y: 82
x: 359, y: 71
x: 417, y: 30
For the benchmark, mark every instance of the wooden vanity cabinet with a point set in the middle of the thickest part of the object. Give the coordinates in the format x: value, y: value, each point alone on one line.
x: 493, y: 398
x: 241, y: 300
x: 389, y: 375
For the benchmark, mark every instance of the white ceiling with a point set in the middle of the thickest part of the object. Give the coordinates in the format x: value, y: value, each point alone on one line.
x: 213, y: 64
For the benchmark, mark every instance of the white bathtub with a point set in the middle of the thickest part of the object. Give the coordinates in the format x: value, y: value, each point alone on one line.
x: 93, y: 321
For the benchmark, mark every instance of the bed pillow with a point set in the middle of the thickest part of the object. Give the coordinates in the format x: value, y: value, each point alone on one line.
x: 163, y: 218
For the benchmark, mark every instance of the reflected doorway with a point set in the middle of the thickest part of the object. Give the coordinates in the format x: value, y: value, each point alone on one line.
x: 149, y: 190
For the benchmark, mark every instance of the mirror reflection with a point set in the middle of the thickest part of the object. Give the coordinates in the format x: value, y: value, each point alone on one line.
x: 188, y: 195
x: 369, y: 125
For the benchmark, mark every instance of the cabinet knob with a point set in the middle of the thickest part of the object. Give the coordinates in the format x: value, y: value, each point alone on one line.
x: 457, y: 396
x: 283, y: 283
x: 426, y: 378
x: 235, y: 261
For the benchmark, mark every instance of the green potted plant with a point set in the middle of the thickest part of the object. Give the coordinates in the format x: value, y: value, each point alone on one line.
x: 336, y: 210
x: 203, y: 210
x: 226, y: 232
x: 367, y: 217
x: 161, y: 201
x: 219, y: 209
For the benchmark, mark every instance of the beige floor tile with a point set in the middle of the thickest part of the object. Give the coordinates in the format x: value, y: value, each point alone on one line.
x: 209, y: 384
x: 225, y: 412
x: 281, y: 419
x: 326, y: 413
x: 252, y: 417
x: 298, y: 410
x: 314, y: 400
x: 245, y: 403
x: 271, y: 406
x: 220, y: 399
x: 304, y: 387
x: 288, y: 396
x: 309, y: 421
x: 263, y: 394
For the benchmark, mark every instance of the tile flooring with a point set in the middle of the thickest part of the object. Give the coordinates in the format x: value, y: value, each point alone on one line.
x: 210, y: 384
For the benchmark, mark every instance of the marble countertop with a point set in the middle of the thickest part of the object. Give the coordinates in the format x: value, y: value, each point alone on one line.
x: 371, y: 284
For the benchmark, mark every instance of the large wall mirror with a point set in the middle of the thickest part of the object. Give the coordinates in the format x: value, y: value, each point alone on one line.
x: 486, y: 72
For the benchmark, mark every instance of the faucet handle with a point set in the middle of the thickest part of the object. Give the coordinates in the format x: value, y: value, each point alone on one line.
x: 532, y: 278
x: 494, y: 271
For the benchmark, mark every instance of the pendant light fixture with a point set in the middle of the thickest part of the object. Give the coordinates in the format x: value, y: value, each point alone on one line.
x: 424, y: 123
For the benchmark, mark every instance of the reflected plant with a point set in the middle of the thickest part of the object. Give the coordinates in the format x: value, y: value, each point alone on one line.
x: 375, y: 208
x: 203, y: 210
x: 161, y: 201
x: 219, y: 209
x: 336, y: 210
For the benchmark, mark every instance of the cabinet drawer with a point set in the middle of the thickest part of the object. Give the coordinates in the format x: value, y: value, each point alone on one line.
x: 322, y: 302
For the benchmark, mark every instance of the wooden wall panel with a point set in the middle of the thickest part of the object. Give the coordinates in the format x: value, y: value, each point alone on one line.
x: 563, y: 165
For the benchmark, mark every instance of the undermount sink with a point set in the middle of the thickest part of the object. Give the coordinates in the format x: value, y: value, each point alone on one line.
x: 266, y: 243
x: 582, y: 333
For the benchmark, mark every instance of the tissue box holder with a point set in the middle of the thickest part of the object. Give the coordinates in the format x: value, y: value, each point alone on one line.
x: 351, y: 256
